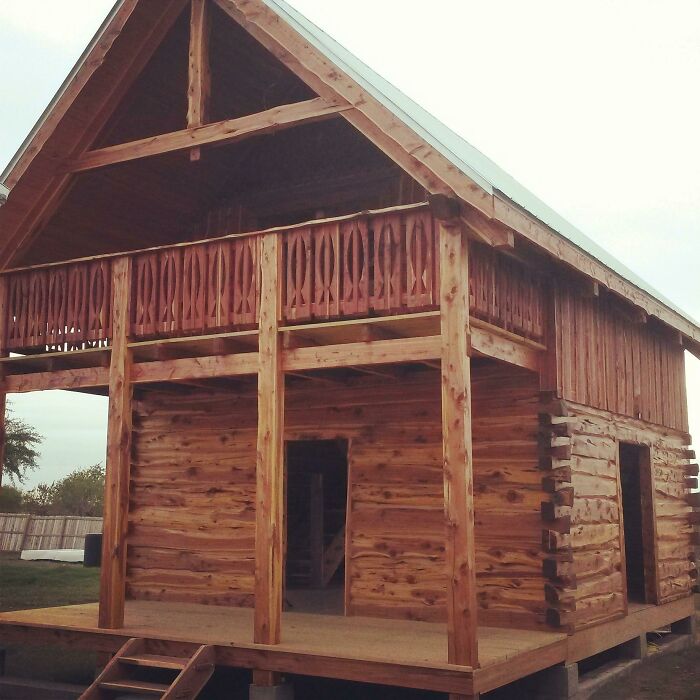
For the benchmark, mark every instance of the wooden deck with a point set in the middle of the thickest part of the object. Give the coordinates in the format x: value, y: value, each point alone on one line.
x: 394, y: 652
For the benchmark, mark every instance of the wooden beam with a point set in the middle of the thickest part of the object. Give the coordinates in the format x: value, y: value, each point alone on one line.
x: 199, y: 78
x: 550, y: 368
x: 374, y: 352
x: 457, y: 448
x: 269, y: 495
x: 116, y: 501
x: 219, y: 133
x: 3, y: 353
x: 67, y: 379
x: 233, y: 365
x: 486, y: 230
x: 491, y: 341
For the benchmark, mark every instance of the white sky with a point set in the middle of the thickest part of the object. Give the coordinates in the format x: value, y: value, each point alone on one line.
x: 594, y: 106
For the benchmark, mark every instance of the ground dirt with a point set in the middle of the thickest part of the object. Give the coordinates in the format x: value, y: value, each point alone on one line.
x: 671, y: 677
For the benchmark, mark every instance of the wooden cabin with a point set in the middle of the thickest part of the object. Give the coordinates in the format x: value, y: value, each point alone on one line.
x: 376, y: 413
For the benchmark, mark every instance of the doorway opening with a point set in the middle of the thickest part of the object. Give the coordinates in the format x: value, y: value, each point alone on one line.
x: 638, y: 521
x: 316, y: 505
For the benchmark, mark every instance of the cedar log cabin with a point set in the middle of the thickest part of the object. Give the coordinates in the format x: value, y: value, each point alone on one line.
x: 376, y: 413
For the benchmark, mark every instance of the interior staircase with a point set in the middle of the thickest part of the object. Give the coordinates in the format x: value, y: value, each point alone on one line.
x: 139, y: 671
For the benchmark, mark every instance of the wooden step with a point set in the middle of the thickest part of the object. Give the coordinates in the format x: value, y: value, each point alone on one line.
x: 174, y: 663
x: 132, y: 686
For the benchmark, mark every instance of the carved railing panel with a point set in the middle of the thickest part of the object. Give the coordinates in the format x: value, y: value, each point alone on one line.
x: 195, y: 289
x: 378, y: 264
x: 59, y: 308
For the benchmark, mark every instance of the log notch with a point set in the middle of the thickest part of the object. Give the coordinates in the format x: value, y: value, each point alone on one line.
x: 269, y: 498
x: 3, y: 353
x: 116, y: 500
x: 691, y: 480
x: 457, y: 446
x: 555, y: 461
x: 199, y: 76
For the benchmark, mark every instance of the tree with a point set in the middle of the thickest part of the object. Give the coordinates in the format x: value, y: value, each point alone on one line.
x: 39, y: 501
x: 11, y: 500
x: 80, y: 493
x: 21, y: 441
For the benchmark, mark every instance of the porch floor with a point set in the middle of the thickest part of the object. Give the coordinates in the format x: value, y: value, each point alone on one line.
x: 338, y: 640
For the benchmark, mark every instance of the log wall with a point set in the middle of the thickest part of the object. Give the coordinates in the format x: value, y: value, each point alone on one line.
x: 191, y: 535
x: 585, y: 538
x: 609, y: 360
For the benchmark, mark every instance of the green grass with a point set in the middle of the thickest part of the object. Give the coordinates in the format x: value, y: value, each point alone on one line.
x: 29, y: 584
x: 39, y: 584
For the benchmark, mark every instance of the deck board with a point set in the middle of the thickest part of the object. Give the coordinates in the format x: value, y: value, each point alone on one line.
x: 402, y: 642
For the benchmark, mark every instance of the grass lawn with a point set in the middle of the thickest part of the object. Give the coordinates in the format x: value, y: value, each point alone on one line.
x: 43, y: 584
x: 33, y: 584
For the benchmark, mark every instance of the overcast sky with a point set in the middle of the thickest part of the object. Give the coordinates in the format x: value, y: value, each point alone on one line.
x: 594, y: 106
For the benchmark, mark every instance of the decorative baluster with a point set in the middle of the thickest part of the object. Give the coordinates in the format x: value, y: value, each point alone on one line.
x: 223, y: 284
x: 326, y: 292
x: 355, y: 284
x: 386, y: 285
x: 100, y: 285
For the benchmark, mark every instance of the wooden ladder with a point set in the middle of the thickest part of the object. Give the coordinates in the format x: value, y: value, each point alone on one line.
x: 136, y: 671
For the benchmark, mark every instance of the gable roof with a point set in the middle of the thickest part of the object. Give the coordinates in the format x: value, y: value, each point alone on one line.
x: 457, y: 150
x: 467, y: 160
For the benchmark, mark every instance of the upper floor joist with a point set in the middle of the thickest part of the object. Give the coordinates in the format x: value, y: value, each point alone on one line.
x: 325, y: 82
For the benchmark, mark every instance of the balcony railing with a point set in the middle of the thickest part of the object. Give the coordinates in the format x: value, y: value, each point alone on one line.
x: 370, y: 264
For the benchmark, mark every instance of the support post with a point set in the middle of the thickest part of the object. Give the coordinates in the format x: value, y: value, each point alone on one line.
x: 550, y: 371
x: 269, y: 499
x: 198, y: 74
x: 116, y: 500
x: 3, y: 353
x: 457, y: 446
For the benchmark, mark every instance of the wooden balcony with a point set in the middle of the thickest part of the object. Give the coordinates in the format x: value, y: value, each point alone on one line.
x: 379, y: 266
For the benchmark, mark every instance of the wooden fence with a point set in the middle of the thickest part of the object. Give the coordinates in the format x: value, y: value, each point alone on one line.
x: 19, y: 531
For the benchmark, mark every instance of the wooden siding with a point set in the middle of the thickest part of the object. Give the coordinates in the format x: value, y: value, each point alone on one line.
x: 588, y: 580
x: 191, y: 535
x: 610, y: 361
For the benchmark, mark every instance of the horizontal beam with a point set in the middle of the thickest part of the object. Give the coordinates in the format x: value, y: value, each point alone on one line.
x: 488, y: 341
x: 219, y: 133
x: 375, y: 352
x: 485, y: 340
x: 236, y: 364
x: 87, y: 377
x: 141, y: 373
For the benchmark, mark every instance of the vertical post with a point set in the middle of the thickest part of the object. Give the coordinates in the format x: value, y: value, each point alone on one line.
x: 198, y: 73
x: 550, y: 370
x: 269, y: 500
x: 457, y: 446
x: 116, y: 500
x: 3, y: 353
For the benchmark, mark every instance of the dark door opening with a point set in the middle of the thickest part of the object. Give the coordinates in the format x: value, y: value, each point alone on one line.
x: 637, y: 512
x: 316, y: 502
